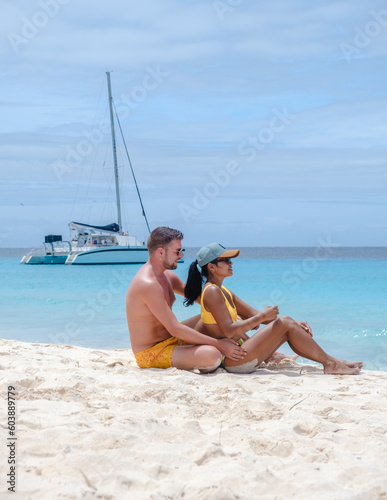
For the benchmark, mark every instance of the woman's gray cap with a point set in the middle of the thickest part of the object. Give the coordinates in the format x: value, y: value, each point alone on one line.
x: 212, y: 251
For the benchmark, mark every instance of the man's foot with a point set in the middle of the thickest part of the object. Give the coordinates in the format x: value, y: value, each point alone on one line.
x: 337, y: 367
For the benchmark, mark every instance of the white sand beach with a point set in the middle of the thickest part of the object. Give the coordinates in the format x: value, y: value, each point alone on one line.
x: 91, y: 424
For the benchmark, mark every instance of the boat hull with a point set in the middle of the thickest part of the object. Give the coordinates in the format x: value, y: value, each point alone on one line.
x: 55, y: 259
x: 116, y: 255
x: 43, y: 259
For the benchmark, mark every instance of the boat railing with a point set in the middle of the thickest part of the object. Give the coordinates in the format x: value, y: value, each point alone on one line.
x: 57, y: 249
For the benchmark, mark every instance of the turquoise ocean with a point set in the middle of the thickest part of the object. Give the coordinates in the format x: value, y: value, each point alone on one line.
x: 340, y: 292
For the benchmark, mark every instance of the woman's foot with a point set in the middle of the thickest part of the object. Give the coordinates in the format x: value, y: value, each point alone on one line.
x: 352, y: 364
x: 338, y: 367
x: 277, y: 357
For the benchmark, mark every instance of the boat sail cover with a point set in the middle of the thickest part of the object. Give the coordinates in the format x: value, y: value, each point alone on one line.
x: 110, y: 228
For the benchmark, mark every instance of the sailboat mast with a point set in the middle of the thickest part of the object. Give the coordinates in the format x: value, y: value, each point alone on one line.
x: 114, y: 153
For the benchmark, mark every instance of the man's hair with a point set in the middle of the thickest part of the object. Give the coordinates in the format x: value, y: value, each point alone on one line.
x: 162, y: 237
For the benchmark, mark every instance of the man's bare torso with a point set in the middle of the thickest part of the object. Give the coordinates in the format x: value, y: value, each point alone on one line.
x: 144, y: 328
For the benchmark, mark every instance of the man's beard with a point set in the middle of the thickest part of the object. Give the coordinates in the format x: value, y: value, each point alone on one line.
x: 169, y: 266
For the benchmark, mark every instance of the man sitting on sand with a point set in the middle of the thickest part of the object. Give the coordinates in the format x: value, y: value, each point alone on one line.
x: 158, y: 339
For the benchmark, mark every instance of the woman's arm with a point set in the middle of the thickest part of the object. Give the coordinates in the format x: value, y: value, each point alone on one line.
x: 214, y: 303
x: 245, y: 311
x: 154, y: 298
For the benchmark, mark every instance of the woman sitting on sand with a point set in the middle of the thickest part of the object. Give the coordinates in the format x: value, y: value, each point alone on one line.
x: 220, y: 309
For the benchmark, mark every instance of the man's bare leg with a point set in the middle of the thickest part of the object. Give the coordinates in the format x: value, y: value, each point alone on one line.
x: 284, y: 329
x: 205, y: 358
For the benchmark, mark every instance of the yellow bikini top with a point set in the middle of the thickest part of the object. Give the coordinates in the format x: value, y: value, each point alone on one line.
x: 207, y: 317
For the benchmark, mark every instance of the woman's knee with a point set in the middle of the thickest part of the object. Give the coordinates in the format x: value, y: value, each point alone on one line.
x: 283, y: 323
x: 280, y: 323
x: 286, y: 321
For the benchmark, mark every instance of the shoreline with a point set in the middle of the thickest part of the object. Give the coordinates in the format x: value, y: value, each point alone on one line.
x: 271, y: 252
x: 89, y: 422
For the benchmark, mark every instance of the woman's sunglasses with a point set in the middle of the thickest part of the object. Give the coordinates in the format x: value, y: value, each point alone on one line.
x: 222, y: 259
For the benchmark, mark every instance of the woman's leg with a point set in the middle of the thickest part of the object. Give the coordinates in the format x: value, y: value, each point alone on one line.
x: 284, y: 329
x: 277, y: 357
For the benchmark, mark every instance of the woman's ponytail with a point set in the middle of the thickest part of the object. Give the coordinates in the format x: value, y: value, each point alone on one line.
x: 193, y: 287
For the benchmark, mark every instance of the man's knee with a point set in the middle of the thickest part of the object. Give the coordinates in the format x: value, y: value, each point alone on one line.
x: 210, y: 358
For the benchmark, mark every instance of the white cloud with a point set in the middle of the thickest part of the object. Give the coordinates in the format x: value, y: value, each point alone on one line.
x: 223, y: 81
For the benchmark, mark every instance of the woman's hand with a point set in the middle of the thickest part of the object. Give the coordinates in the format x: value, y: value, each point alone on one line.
x: 306, y: 327
x: 231, y: 349
x: 270, y: 313
x: 244, y: 336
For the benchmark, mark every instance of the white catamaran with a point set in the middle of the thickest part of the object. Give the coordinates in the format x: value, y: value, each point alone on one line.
x: 95, y: 244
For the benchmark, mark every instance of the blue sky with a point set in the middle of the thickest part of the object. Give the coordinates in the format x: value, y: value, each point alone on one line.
x: 251, y: 123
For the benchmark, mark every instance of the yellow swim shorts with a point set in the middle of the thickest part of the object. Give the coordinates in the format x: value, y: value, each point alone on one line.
x: 159, y: 355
